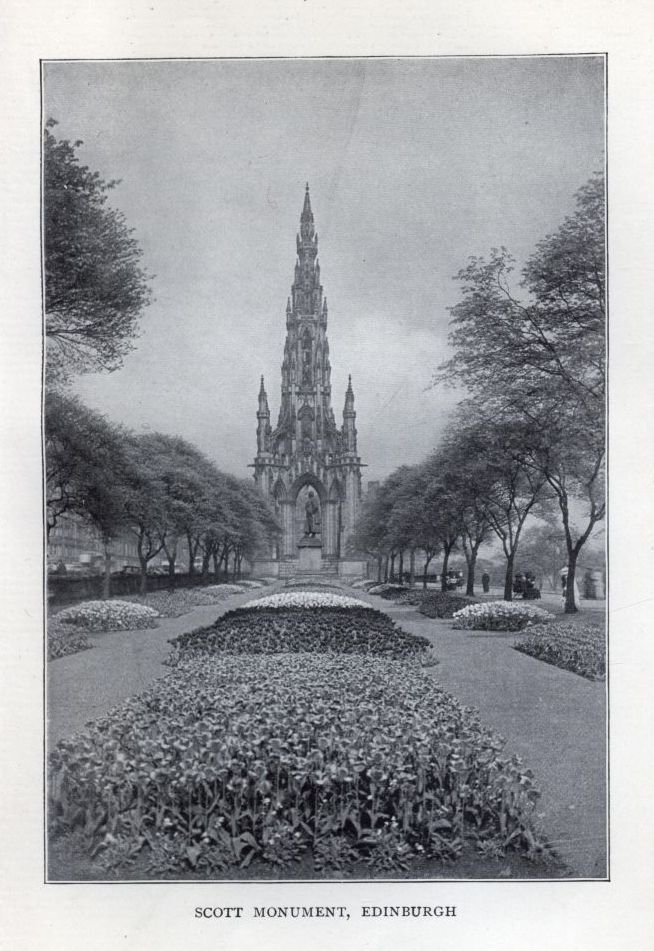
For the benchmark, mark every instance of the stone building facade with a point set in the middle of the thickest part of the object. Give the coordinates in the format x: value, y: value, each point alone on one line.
x: 307, y: 466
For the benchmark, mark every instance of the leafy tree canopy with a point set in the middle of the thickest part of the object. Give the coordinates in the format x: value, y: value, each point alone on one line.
x: 95, y: 288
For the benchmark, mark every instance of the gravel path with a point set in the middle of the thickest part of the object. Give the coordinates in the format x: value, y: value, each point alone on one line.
x: 86, y: 685
x: 553, y: 719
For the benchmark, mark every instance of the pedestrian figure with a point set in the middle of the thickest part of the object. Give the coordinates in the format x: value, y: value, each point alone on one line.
x: 485, y: 582
x: 531, y: 592
x: 519, y: 583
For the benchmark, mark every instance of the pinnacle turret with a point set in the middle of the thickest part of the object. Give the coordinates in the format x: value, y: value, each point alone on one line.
x: 263, y: 400
x: 307, y: 230
x: 349, y: 416
x: 349, y: 399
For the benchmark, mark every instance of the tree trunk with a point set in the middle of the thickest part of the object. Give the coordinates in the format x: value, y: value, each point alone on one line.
x: 144, y: 574
x: 171, y: 571
x: 425, y: 571
x: 206, y: 560
x: 570, y: 606
x: 143, y: 562
x: 191, y: 556
x: 380, y: 565
x: 508, y: 577
x: 386, y: 568
x: 446, y: 558
x: 216, y: 565
x: 470, y: 582
x: 106, y: 580
x: 412, y: 567
x: 401, y: 567
x: 392, y: 571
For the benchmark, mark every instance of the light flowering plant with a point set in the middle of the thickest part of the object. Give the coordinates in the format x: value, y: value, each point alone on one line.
x: 226, y: 590
x: 499, y: 616
x: 305, y: 599
x: 385, y: 587
x: 109, y: 615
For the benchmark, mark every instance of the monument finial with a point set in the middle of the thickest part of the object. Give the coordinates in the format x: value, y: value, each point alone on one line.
x: 307, y: 214
x: 263, y: 399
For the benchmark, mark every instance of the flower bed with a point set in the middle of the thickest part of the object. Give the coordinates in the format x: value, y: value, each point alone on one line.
x: 442, y: 605
x: 175, y: 603
x: 272, y: 631
x: 579, y: 647
x: 64, y: 639
x: 384, y: 588
x: 390, y: 592
x: 305, y: 599
x: 231, y: 759
x: 225, y: 590
x: 109, y: 616
x: 499, y: 616
x: 310, y: 584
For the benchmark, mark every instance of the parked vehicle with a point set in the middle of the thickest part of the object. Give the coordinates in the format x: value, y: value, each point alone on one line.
x: 127, y: 570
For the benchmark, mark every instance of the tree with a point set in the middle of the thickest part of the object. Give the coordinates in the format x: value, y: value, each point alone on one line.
x: 507, y: 488
x: 440, y: 520
x: 543, y: 549
x: 538, y: 360
x: 468, y: 483
x: 95, y: 288
x: 568, y: 451
x: 86, y: 470
x: 412, y: 521
x: 369, y: 534
x: 145, y: 503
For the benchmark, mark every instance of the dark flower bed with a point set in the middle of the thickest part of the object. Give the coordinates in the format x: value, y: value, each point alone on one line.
x: 390, y: 592
x: 232, y: 758
x: 442, y: 605
x: 292, y: 630
x: 64, y: 639
x: 579, y: 647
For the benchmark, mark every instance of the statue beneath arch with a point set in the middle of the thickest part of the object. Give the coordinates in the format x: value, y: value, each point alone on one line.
x: 313, y: 521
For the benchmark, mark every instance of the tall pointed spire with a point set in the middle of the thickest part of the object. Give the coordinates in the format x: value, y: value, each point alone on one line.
x: 307, y: 446
x: 306, y: 292
x: 349, y: 399
x: 349, y: 416
x: 263, y: 399
x: 263, y: 421
x: 306, y: 210
x: 307, y: 229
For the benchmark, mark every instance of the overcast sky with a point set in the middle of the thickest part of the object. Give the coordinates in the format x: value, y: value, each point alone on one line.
x: 413, y: 165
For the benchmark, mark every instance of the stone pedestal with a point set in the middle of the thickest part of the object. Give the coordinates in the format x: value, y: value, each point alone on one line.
x: 310, y: 554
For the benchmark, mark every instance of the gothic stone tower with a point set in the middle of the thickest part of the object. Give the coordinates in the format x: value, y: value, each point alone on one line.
x: 307, y: 459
